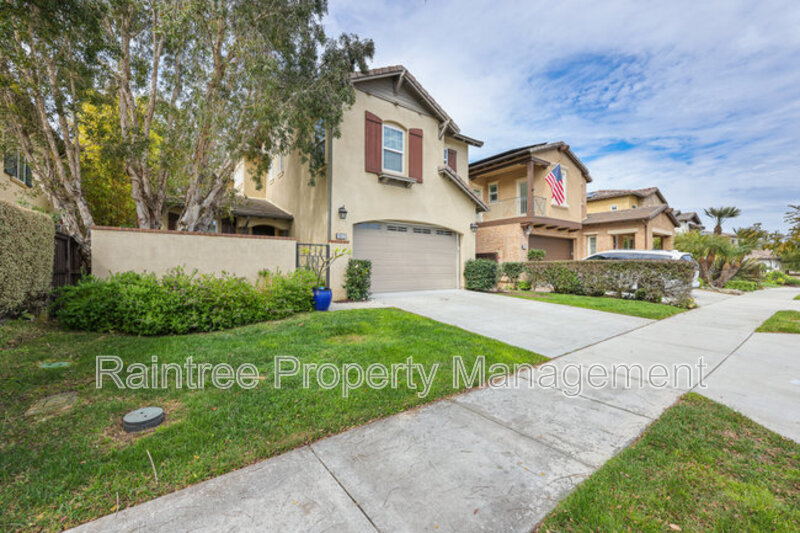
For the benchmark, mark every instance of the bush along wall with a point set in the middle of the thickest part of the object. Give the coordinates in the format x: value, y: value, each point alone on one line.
x: 481, y: 274
x: 654, y: 281
x: 178, y: 302
x: 26, y: 261
x: 358, y: 279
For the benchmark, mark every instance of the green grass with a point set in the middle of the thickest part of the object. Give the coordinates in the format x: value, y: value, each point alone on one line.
x: 782, y: 322
x: 700, y: 467
x: 69, y: 469
x: 603, y: 303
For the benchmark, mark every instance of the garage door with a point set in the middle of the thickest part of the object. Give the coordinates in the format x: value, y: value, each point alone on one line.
x: 555, y: 249
x: 408, y: 256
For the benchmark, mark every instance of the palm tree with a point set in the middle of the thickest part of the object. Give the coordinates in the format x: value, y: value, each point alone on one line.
x: 721, y: 214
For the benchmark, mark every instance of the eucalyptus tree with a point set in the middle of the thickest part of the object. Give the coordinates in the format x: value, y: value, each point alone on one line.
x: 221, y: 81
x: 48, y: 68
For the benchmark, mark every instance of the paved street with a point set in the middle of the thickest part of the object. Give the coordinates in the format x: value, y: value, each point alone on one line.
x: 497, y: 459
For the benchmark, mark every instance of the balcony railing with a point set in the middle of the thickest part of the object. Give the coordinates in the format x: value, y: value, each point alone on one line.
x: 515, y: 207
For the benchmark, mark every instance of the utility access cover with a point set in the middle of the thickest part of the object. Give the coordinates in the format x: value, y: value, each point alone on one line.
x: 144, y: 418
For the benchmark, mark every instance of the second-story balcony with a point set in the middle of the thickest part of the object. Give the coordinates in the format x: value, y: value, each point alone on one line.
x: 515, y: 207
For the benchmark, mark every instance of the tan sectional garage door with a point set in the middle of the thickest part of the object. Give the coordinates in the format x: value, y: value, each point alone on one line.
x: 555, y: 249
x: 408, y: 256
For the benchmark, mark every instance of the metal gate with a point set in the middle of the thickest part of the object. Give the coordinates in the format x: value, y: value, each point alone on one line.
x: 311, y: 256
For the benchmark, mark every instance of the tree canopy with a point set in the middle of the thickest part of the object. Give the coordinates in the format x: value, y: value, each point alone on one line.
x: 197, y: 86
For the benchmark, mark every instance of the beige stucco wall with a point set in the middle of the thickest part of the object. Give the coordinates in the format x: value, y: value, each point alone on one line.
x: 662, y: 226
x: 124, y: 249
x: 16, y: 192
x: 623, y: 202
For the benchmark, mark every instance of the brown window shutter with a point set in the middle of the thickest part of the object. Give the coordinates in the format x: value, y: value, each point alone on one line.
x: 451, y: 159
x: 415, y: 154
x: 373, y: 139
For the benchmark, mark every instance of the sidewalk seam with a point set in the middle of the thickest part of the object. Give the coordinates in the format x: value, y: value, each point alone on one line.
x: 336, y: 479
x: 520, y: 433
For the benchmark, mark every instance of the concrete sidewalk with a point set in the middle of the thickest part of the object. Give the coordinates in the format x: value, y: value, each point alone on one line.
x: 494, y: 459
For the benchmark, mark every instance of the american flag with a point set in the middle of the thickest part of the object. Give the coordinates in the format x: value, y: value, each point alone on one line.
x: 556, y: 185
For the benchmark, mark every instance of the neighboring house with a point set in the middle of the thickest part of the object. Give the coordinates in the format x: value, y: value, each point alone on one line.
x: 767, y: 258
x: 628, y: 219
x: 689, y: 221
x: 391, y: 190
x: 17, y: 183
x: 522, y: 213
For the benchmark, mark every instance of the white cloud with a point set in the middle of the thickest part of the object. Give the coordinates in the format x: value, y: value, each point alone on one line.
x: 706, y: 92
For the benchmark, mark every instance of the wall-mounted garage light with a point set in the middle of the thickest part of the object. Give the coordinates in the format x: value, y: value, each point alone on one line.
x: 474, y: 227
x: 342, y: 213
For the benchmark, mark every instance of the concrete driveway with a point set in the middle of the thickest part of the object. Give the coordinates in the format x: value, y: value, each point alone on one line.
x: 548, y: 329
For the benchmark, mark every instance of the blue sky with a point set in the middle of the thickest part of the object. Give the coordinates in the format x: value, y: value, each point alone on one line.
x: 701, y: 99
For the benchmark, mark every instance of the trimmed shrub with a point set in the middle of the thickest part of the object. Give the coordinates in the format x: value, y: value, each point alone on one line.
x: 481, y: 274
x: 358, y: 279
x: 26, y: 262
x: 781, y: 278
x: 512, y: 271
x: 178, y: 303
x: 536, y: 254
x: 653, y: 281
x: 524, y: 285
x: 742, y: 285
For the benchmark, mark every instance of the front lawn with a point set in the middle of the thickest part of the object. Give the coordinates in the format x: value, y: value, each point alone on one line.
x: 603, y: 303
x: 71, y: 468
x: 700, y: 467
x: 782, y: 322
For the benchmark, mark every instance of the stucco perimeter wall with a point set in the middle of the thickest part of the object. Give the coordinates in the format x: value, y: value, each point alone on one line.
x: 157, y: 251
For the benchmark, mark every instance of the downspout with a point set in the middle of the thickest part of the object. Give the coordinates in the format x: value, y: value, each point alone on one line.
x: 330, y: 187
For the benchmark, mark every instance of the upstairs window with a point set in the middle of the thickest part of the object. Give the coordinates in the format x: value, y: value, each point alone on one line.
x: 393, y: 146
x: 15, y: 166
x: 493, y: 192
x: 614, y: 207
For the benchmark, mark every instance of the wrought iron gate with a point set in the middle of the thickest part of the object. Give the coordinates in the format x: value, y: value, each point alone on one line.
x: 311, y: 256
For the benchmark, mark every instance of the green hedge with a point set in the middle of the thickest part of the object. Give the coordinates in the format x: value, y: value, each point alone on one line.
x: 358, y: 279
x: 781, y: 278
x: 512, y: 271
x: 481, y: 274
x: 742, y: 285
x: 26, y: 260
x: 653, y: 281
x: 177, y: 303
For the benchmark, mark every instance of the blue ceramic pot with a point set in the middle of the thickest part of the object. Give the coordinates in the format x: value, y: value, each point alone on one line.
x: 322, y: 299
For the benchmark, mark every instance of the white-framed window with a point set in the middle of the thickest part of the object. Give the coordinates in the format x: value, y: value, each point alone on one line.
x: 15, y: 166
x: 445, y: 159
x: 614, y: 207
x: 634, y: 206
x: 493, y: 192
x: 591, y: 244
x: 393, y: 149
x: 522, y: 196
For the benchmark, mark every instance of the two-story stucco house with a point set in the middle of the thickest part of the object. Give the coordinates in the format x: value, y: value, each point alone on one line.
x: 689, y: 221
x: 392, y: 190
x: 635, y: 219
x: 522, y: 213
